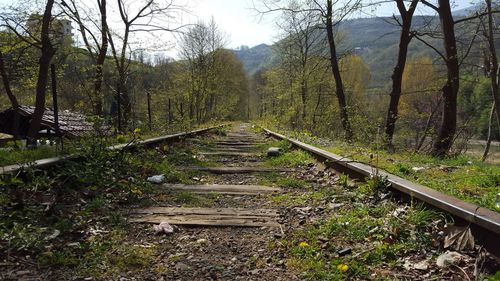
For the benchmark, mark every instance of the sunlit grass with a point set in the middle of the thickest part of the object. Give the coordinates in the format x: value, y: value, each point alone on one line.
x: 461, y: 176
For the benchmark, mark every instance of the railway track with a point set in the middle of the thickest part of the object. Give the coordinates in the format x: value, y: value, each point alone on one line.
x: 485, y: 223
x: 240, y: 215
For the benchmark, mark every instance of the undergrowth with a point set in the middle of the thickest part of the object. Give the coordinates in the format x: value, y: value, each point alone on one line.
x: 378, y: 235
x: 75, y: 204
x: 462, y: 176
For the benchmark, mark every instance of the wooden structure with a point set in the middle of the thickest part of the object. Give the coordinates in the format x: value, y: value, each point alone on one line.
x: 207, y: 216
x: 231, y: 189
x: 71, y: 124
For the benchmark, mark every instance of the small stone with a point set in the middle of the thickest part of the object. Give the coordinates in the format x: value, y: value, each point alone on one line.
x: 157, y: 179
x: 182, y: 266
x: 163, y: 228
x: 255, y: 272
x: 23, y: 272
x: 448, y: 258
x: 274, y: 151
x: 418, y: 169
x: 74, y: 245
x: 344, y: 252
x: 423, y: 265
x: 322, y: 238
x: 335, y: 205
x: 202, y: 241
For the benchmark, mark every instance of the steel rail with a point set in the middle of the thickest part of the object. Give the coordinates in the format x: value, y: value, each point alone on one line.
x: 485, y: 223
x: 52, y: 161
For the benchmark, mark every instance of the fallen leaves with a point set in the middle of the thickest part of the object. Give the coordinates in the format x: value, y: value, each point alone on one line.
x: 459, y: 238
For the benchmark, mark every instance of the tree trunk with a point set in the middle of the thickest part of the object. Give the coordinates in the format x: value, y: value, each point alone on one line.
x: 101, y: 57
x: 48, y: 52
x: 427, y: 127
x: 12, y: 98
x: 303, y: 95
x: 339, y: 87
x: 397, y: 75
x: 490, y: 133
x: 493, y: 69
x: 448, y: 126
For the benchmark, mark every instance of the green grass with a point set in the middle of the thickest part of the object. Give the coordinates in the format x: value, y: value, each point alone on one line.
x: 468, y: 179
x: 377, y: 239
x: 472, y: 180
x: 309, y: 198
x: 293, y: 158
x: 292, y: 183
x: 12, y: 156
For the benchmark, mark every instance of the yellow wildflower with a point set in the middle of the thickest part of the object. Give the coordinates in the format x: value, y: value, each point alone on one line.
x: 342, y: 267
x: 303, y: 244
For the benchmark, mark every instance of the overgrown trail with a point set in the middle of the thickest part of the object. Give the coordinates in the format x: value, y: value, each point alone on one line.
x: 241, y: 215
x: 226, y: 222
x: 244, y: 216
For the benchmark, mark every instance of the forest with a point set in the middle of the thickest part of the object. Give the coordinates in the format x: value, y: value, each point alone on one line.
x: 326, y: 83
x: 115, y: 114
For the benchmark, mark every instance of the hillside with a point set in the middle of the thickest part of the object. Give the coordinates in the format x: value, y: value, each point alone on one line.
x: 374, y: 39
x: 255, y: 58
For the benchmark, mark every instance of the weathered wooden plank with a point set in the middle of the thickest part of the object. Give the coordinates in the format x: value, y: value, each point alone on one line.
x: 228, y: 153
x: 206, y: 216
x: 242, y: 139
x: 206, y: 211
x: 224, y: 189
x: 231, y: 149
x: 238, y: 170
x: 221, y: 145
x: 187, y: 220
x: 238, y: 143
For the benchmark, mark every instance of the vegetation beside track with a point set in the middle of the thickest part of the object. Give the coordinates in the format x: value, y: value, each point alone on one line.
x: 462, y: 176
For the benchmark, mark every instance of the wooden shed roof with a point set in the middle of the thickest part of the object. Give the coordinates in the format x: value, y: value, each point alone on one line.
x: 70, y: 123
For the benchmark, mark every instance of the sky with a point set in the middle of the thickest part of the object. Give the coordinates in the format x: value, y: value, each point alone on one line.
x: 238, y: 20
x: 242, y: 23
x: 246, y: 27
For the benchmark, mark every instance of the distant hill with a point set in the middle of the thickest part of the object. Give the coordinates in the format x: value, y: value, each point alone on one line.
x: 374, y: 39
x: 255, y: 58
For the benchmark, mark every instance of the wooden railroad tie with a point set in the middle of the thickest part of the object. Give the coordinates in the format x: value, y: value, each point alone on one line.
x: 228, y: 153
x: 238, y: 170
x: 224, y: 188
x: 207, y: 216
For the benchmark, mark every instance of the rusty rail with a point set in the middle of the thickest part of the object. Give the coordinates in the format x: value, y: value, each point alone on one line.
x: 48, y: 162
x: 485, y: 223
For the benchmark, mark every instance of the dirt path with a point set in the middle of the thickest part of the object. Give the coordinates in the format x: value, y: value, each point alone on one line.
x: 223, y: 253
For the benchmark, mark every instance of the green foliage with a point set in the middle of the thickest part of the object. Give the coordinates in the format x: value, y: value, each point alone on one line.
x: 292, y: 183
x: 187, y: 198
x: 379, y: 235
x: 495, y: 277
x: 376, y: 184
x: 462, y: 176
x: 344, y: 180
x: 14, y: 155
x: 293, y: 158
x: 172, y: 175
x: 61, y: 258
